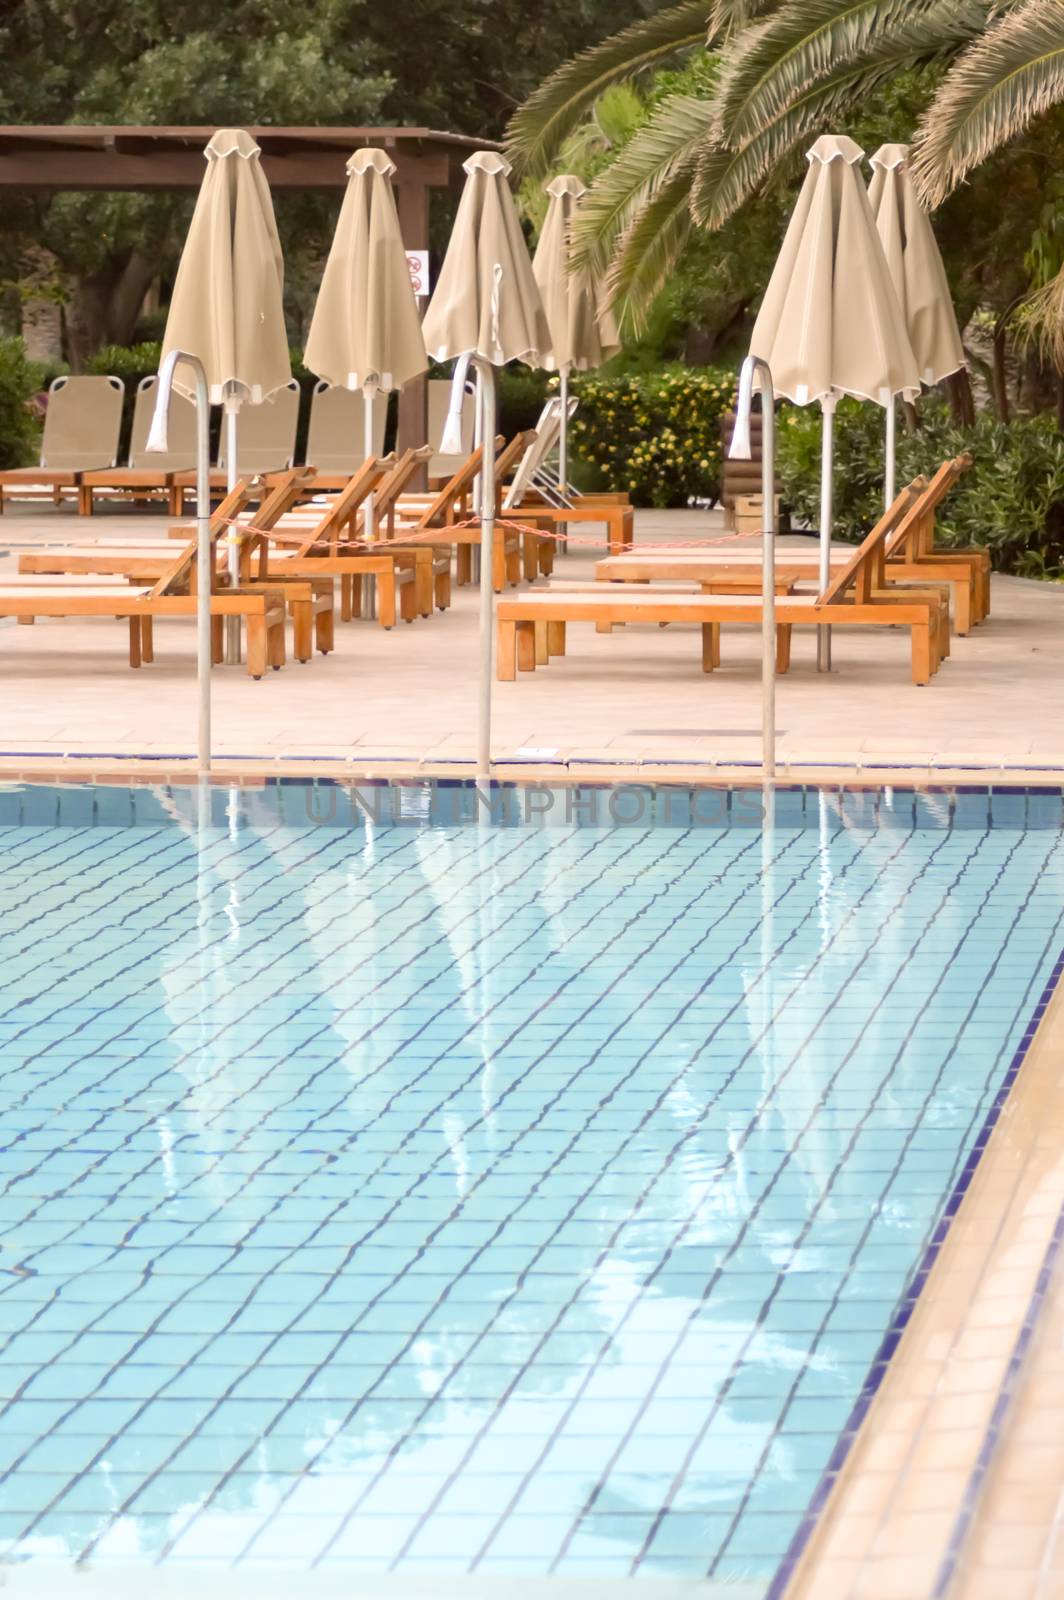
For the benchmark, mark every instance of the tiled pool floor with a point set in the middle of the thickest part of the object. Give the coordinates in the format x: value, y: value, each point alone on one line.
x: 501, y: 1201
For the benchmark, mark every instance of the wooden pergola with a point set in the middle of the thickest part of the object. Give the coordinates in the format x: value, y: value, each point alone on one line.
x: 54, y: 157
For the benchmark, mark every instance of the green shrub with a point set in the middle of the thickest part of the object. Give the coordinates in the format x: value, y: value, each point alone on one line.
x: 655, y: 435
x: 20, y: 426
x: 1011, y: 500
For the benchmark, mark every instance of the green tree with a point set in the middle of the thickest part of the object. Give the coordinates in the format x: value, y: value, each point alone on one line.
x: 786, y: 70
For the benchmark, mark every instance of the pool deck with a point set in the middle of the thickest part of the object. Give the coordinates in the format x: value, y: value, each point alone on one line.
x: 403, y: 702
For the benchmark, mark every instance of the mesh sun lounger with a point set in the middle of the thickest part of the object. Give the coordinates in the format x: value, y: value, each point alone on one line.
x: 265, y: 443
x: 147, y: 477
x: 81, y: 431
x: 441, y: 467
x: 336, y: 433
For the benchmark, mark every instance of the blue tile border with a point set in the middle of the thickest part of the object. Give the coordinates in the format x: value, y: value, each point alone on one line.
x: 902, y: 1316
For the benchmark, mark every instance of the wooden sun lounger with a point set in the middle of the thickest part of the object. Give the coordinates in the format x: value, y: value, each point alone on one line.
x: 849, y: 600
x: 913, y: 554
x: 446, y: 520
x: 410, y: 581
x: 90, y: 570
x: 30, y: 596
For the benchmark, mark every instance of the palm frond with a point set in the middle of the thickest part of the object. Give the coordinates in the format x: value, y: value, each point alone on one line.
x: 771, y: 66
x: 651, y: 161
x: 728, y: 17
x: 1040, y: 322
x: 1005, y: 79
x: 547, y: 116
x: 725, y: 179
x: 648, y: 251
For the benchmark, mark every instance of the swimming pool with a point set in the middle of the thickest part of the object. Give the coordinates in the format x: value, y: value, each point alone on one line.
x: 385, y: 1192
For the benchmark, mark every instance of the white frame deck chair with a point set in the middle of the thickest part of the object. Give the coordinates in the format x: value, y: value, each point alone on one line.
x: 146, y: 477
x: 443, y: 467
x: 82, y: 426
x: 548, y: 428
x: 335, y: 436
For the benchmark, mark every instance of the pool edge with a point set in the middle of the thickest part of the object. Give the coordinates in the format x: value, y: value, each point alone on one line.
x: 893, y: 1512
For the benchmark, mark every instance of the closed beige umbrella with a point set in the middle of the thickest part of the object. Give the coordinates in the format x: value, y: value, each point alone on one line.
x: 227, y: 305
x: 582, y: 329
x: 918, y: 276
x: 486, y: 310
x: 227, y: 301
x: 830, y: 323
x: 366, y: 332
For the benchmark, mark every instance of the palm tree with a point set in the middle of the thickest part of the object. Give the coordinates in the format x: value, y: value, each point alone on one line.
x: 786, y: 70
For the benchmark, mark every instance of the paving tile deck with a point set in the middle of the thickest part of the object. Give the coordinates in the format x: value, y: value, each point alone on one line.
x: 634, y: 696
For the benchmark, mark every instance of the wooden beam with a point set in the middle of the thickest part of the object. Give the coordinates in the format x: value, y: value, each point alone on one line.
x: 172, y: 167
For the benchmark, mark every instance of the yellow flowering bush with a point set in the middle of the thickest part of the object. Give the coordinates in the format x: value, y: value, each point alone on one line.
x: 656, y: 434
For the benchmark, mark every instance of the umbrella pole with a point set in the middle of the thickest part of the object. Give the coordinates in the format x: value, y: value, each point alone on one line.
x: 889, y: 475
x: 232, y: 624
x: 157, y: 443
x: 369, y: 526
x: 563, y: 449
x: 486, y: 411
x: 827, y: 517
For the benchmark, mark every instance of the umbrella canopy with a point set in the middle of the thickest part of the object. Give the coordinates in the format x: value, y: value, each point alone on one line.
x: 582, y: 329
x: 227, y: 302
x: 487, y: 302
x: 830, y: 322
x: 915, y: 264
x: 366, y: 332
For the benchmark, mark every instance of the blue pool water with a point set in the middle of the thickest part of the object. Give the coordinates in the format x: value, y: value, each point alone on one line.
x: 388, y: 1193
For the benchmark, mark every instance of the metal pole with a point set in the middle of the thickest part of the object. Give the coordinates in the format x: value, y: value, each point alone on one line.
x: 232, y: 624
x: 827, y: 518
x: 157, y: 442
x: 889, y: 474
x: 369, y: 525
x: 754, y: 367
x: 486, y: 409
x: 563, y: 451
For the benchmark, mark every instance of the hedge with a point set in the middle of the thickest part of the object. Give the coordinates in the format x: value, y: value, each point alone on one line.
x: 1011, y: 501
x: 655, y: 435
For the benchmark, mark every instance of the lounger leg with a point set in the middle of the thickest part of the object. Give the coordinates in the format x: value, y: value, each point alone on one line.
x: 603, y: 627
x: 963, y: 604
x: 134, y: 641
x: 423, y: 560
x: 709, y: 652
x: 542, y: 646
x: 409, y: 606
x: 783, y: 647
x: 386, y: 599
x: 84, y: 500
x: 275, y: 642
x: 463, y: 564
x: 498, y: 562
x: 257, y: 648
x: 147, y: 639
x: 302, y: 629
x: 526, y: 647
x: 345, y: 597
x: 443, y: 588
x: 546, y: 556
x: 530, y: 556
x: 325, y: 629
x: 556, y: 638
x: 921, y: 632
x: 217, y: 641
x: 25, y: 622
x: 506, y: 652
x: 512, y: 559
